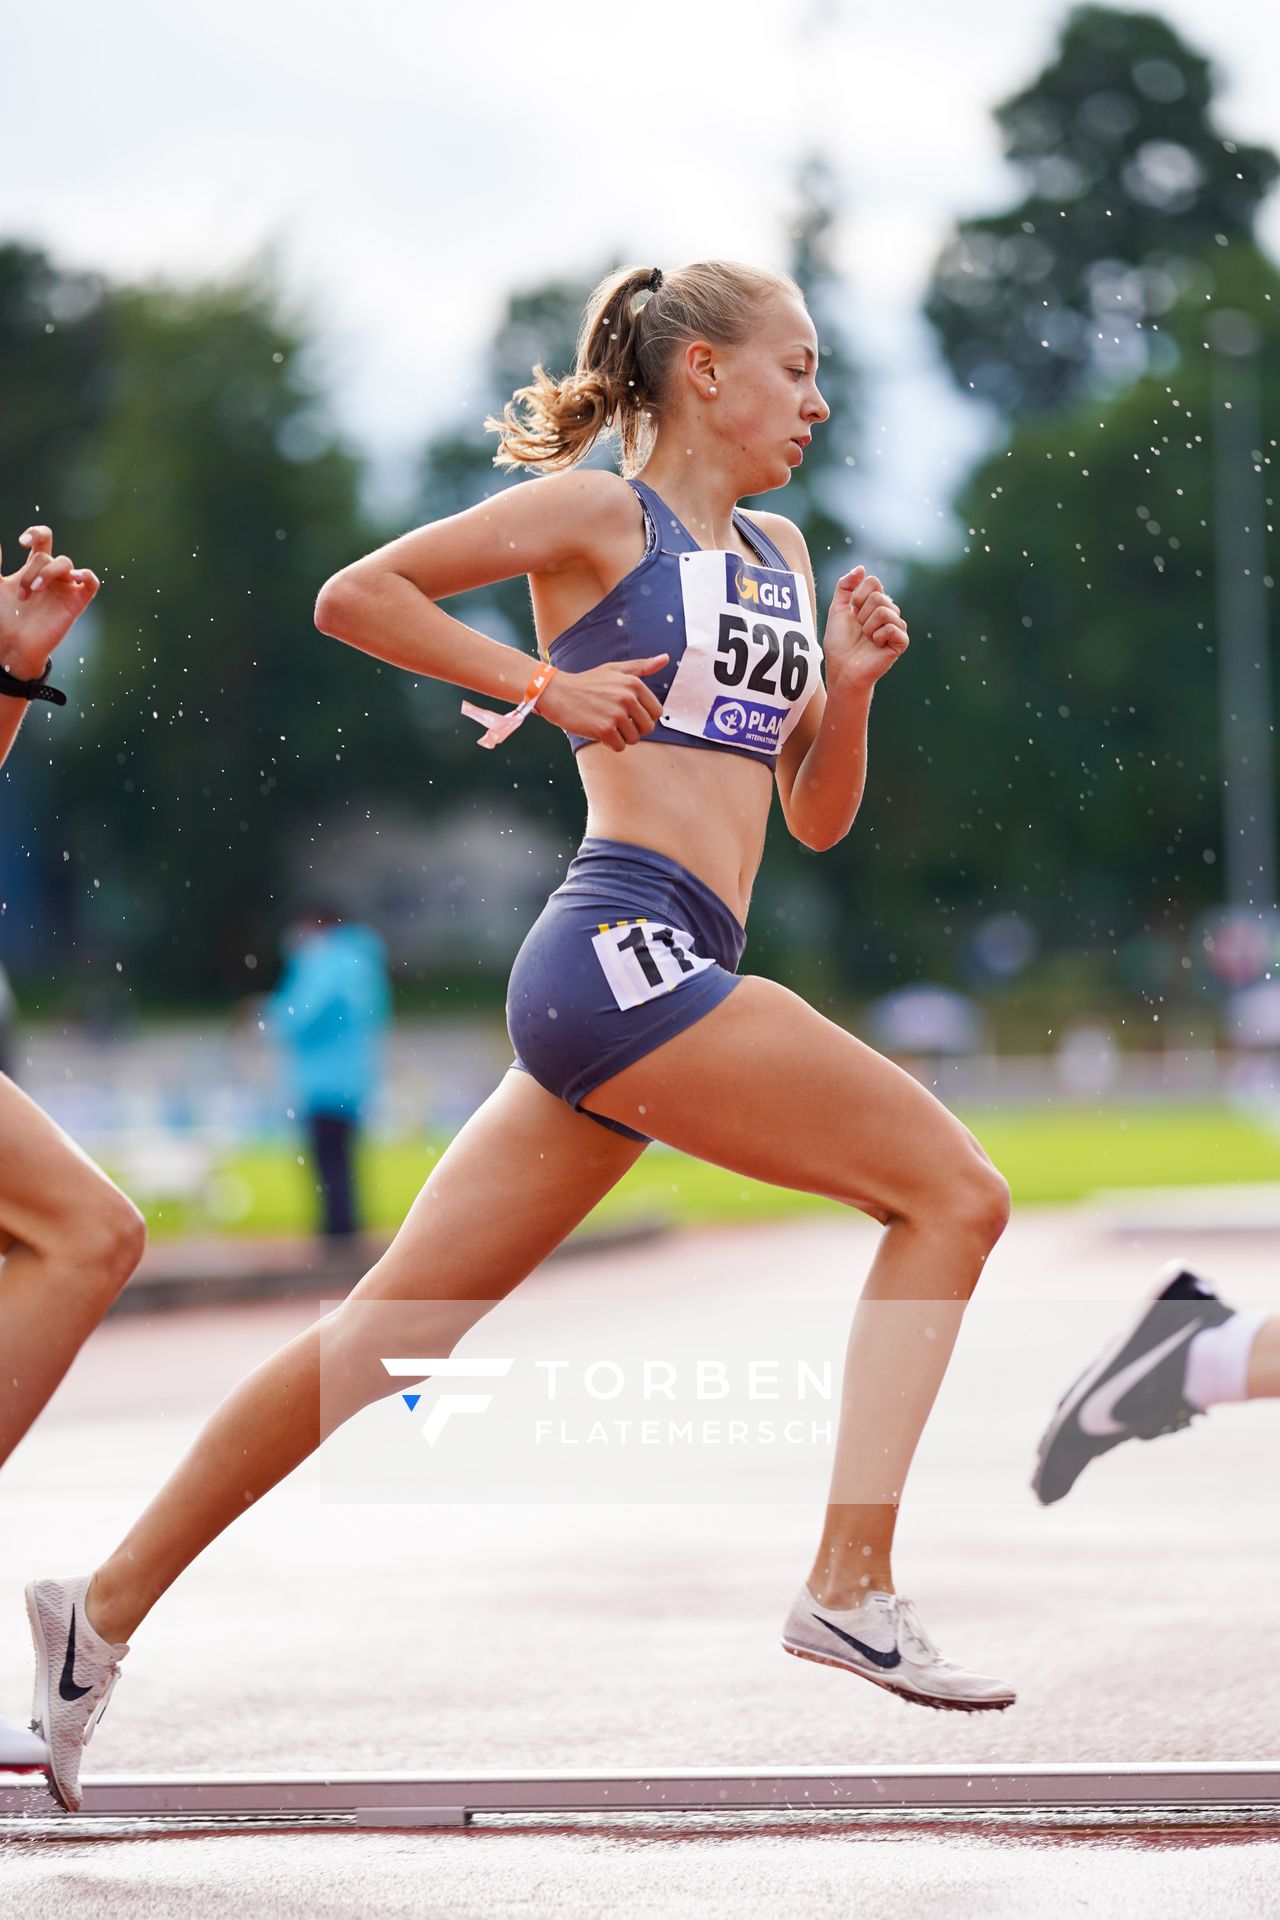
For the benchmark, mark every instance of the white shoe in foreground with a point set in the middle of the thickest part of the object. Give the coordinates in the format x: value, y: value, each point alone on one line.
x: 75, y: 1672
x: 882, y: 1640
x: 22, y: 1754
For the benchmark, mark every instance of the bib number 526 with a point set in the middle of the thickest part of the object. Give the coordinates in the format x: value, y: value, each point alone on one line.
x: 790, y: 654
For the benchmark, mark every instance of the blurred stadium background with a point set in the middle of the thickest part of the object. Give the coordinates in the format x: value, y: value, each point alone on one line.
x: 1059, y: 902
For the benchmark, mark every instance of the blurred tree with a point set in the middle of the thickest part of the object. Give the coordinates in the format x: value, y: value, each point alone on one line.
x: 1062, y: 758
x: 1130, y: 187
x: 52, y: 349
x: 211, y: 720
x: 1065, y: 759
x: 53, y: 374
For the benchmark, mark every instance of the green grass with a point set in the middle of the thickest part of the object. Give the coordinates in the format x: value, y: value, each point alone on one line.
x: 1064, y: 1155
x: 1060, y: 1155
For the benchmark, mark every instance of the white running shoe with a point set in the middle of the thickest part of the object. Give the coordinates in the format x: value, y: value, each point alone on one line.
x: 882, y: 1640
x: 75, y: 1672
x: 21, y: 1754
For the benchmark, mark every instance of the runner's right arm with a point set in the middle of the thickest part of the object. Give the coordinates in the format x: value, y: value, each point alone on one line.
x: 385, y: 604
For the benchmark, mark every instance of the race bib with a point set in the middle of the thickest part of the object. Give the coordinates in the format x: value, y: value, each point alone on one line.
x: 751, y: 662
x: 643, y: 958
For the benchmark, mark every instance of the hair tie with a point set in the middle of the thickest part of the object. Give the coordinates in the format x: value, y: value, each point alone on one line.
x: 655, y: 279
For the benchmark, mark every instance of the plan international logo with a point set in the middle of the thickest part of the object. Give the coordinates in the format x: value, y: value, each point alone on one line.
x: 746, y: 725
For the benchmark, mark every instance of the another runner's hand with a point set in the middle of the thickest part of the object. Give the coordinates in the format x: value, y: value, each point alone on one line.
x: 865, y: 632
x: 610, y: 704
x: 39, y: 604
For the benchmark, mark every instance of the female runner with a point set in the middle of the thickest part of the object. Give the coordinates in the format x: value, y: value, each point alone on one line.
x: 670, y: 621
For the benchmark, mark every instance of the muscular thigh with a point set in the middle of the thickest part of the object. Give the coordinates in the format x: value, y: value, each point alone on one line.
x: 768, y: 1087
x: 519, y: 1176
x: 46, y: 1180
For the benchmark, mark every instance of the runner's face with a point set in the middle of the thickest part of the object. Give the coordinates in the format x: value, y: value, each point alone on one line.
x: 768, y: 391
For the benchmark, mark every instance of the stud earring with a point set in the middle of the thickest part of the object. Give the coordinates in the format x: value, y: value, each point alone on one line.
x: 711, y: 390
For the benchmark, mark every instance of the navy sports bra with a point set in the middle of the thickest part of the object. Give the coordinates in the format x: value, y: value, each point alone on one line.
x: 745, y: 659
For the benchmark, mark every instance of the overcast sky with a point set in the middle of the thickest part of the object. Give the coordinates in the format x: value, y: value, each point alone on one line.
x: 411, y: 162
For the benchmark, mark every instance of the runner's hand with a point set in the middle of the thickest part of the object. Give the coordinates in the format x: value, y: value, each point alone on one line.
x: 39, y: 604
x: 865, y: 632
x: 610, y: 704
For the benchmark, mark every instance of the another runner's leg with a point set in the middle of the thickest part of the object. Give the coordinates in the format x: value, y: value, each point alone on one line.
x: 69, y: 1240
x: 766, y: 1086
x: 519, y: 1176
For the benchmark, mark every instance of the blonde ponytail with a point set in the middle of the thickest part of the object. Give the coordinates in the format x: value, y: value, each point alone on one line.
x: 634, y: 321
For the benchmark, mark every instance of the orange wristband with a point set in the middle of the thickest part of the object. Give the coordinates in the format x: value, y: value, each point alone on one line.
x: 539, y: 681
x: 500, y: 725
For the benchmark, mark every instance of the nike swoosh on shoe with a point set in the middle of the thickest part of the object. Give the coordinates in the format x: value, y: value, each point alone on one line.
x: 878, y: 1659
x: 1096, y: 1414
x: 67, y: 1688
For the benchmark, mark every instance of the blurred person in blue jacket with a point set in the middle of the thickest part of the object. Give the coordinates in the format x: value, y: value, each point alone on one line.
x: 329, y: 1013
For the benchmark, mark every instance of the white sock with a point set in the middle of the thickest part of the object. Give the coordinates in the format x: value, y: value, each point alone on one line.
x: 1218, y: 1360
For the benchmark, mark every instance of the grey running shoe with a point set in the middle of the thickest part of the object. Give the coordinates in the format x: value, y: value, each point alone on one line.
x: 883, y: 1641
x: 1133, y: 1390
x: 22, y: 1754
x: 75, y: 1672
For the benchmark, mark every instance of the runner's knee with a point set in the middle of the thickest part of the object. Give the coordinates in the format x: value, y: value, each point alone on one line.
x: 967, y: 1196
x: 958, y: 1189
x: 979, y: 1202
x: 106, y: 1242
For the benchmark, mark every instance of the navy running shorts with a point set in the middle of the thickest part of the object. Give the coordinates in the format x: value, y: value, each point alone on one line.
x: 630, y: 950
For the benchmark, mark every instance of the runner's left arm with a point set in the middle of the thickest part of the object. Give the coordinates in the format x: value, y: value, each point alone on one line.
x: 822, y: 769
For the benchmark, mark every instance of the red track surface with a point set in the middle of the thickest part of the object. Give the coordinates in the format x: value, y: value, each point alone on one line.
x: 1137, y: 1620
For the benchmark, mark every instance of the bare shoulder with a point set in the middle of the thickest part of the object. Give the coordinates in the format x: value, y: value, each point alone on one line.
x: 597, y: 522
x: 587, y: 498
x: 785, y: 535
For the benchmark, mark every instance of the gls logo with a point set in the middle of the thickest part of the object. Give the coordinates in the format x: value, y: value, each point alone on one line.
x: 418, y: 1367
x: 764, y: 588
